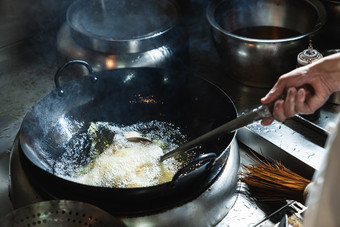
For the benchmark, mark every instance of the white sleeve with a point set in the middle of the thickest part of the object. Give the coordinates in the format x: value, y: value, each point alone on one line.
x: 324, y: 199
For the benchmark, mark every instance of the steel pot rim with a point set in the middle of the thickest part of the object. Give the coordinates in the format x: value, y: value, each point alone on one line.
x: 212, y: 6
x: 134, y: 44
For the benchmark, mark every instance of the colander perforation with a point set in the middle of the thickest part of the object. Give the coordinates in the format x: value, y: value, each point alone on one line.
x: 59, y: 213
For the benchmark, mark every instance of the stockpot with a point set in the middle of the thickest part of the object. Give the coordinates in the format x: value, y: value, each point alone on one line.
x: 259, y: 40
x: 123, y: 33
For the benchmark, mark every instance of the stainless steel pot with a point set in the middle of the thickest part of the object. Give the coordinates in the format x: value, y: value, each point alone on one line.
x: 119, y: 34
x: 121, y: 26
x: 259, y: 40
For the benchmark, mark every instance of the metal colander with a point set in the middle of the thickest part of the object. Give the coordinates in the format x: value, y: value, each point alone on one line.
x: 59, y: 213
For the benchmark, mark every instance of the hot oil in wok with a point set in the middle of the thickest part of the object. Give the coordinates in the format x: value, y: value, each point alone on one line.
x: 117, y: 162
x: 129, y: 164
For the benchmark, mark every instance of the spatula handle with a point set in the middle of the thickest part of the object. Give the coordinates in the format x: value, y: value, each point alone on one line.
x: 254, y: 115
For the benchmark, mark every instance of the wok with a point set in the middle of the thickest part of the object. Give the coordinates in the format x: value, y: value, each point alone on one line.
x: 55, y: 122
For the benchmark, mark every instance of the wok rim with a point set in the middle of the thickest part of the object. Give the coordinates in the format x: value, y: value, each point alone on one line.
x: 136, y: 189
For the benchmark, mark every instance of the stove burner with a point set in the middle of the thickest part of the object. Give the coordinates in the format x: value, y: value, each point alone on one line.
x: 208, y: 208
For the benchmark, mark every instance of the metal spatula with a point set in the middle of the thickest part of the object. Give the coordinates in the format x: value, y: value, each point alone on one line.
x: 256, y: 114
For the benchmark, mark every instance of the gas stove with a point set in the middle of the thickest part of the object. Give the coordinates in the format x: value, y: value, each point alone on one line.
x: 208, y: 209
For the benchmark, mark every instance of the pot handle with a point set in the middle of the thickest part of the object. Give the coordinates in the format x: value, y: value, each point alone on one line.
x: 61, y: 69
x: 211, y: 157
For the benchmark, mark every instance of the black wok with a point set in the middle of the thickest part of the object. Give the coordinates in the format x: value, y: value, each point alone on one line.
x: 56, y: 120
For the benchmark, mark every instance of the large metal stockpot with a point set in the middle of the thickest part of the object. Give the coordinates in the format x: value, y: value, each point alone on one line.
x: 123, y: 33
x: 118, y: 96
x: 259, y: 40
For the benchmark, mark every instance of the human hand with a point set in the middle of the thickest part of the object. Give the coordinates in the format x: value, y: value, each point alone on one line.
x: 291, y: 95
x: 295, y: 101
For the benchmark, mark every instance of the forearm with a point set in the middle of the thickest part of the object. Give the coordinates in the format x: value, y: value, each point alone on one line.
x: 328, y: 69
